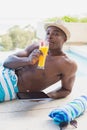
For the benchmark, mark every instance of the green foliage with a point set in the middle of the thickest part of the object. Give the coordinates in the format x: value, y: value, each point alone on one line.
x: 17, y: 37
x: 69, y: 19
x: 6, y: 42
x: 83, y: 20
x: 51, y: 19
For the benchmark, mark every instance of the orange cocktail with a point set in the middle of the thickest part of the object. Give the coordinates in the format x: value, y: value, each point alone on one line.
x: 44, y: 49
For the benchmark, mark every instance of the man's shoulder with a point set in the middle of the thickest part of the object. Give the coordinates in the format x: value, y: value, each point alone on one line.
x: 70, y: 64
x: 67, y: 62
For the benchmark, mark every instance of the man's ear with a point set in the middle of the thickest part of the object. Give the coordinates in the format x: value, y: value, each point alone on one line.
x: 65, y: 39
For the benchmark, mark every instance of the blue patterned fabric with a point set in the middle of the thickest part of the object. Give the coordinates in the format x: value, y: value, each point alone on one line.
x: 8, y: 84
x: 70, y: 111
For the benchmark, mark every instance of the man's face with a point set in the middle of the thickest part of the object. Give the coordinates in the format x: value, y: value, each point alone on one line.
x: 55, y: 37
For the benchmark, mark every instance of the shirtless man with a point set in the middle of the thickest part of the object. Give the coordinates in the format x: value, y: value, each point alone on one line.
x: 58, y: 66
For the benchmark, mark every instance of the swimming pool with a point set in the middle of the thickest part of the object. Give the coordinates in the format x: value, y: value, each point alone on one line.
x: 80, y: 60
x: 75, y: 55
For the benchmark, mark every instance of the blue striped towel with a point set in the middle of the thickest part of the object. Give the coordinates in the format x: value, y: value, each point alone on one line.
x: 70, y: 111
x: 8, y: 84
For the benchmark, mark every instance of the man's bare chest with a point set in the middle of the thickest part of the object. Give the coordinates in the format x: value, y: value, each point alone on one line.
x: 32, y: 76
x: 50, y: 73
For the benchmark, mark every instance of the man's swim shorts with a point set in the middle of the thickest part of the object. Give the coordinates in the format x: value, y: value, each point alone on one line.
x: 8, y: 84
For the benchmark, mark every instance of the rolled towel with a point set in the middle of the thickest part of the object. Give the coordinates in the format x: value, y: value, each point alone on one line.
x: 66, y: 114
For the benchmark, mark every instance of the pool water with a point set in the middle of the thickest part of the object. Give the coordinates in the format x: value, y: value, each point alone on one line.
x: 80, y: 60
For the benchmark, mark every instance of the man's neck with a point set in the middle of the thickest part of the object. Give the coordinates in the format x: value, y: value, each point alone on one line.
x: 55, y: 52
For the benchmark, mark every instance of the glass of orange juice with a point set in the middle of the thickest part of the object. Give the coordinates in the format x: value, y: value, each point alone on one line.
x: 44, y: 47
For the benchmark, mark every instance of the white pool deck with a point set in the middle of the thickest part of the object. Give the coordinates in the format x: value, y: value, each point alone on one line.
x: 33, y: 114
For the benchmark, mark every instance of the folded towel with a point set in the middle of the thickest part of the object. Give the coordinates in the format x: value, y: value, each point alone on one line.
x: 69, y: 111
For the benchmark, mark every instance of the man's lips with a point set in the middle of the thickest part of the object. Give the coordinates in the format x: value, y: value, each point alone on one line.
x: 50, y: 41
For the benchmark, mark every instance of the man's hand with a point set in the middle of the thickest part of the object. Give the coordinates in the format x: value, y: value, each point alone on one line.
x: 57, y: 94
x: 34, y: 56
x: 52, y: 95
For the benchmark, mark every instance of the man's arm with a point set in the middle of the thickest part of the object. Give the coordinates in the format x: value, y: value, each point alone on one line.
x: 67, y: 82
x: 28, y: 56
